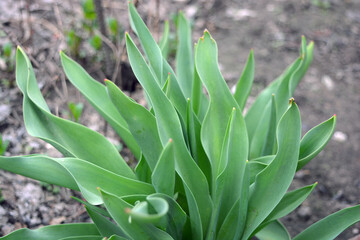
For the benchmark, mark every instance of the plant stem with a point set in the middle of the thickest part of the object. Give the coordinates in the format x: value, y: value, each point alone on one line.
x: 100, y: 17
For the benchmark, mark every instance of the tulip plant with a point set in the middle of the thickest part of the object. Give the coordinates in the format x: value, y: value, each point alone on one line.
x: 206, y: 170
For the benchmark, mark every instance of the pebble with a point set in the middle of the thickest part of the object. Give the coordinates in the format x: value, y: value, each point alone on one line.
x: 304, y: 212
x: 4, y: 112
x: 340, y: 136
x: 328, y: 82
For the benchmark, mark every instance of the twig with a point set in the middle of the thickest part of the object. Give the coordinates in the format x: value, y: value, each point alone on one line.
x: 103, y: 30
x: 14, y: 40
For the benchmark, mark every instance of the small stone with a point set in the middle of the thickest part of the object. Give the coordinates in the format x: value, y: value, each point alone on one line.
x: 340, y: 136
x: 328, y: 82
x: 355, y: 231
x: 3, y: 66
x: 2, y: 212
x: 304, y: 212
x: 4, y: 112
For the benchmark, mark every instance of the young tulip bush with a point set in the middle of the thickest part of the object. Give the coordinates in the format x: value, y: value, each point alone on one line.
x: 204, y: 170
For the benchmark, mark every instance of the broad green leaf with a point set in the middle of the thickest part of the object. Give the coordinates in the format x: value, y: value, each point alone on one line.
x: 33, y: 167
x: 92, y: 207
x: 243, y: 87
x: 151, y: 49
x: 184, y: 56
x: 89, y: 177
x: 71, y: 139
x: 95, y: 93
x: 290, y: 202
x: 194, y: 139
x: 115, y: 237
x: 274, y: 231
x: 157, y: 62
x: 264, y: 159
x: 195, y: 219
x: 176, y: 216
x: 283, y: 88
x: 105, y: 226
x: 163, y: 176
x: 164, y: 41
x: 307, y: 54
x: 88, y: 237
x: 200, y: 102
x: 253, y: 115
x: 220, y: 107
x: 152, y: 210
x: 54, y: 232
x: 315, y: 140
x: 143, y: 171
x: 234, y: 222
x: 169, y: 126
x: 231, y: 185
x: 119, y: 209
x: 331, y: 226
x: 263, y: 142
x: 254, y: 169
x: 142, y: 124
x: 272, y: 183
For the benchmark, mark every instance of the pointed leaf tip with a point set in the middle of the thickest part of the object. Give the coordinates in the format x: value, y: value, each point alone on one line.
x: 291, y: 101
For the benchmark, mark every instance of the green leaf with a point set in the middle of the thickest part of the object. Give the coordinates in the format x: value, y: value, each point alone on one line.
x: 141, y: 123
x: 92, y: 207
x: 76, y: 110
x: 243, y: 87
x: 234, y: 222
x: 283, y: 88
x: 95, y: 93
x: 290, y: 202
x: 143, y: 171
x: 163, y: 176
x: 331, y: 226
x: 159, y: 66
x: 271, y: 184
x: 54, y: 232
x: 255, y: 168
x: 200, y: 102
x: 315, y: 140
x: 221, y: 104
x: 264, y: 142
x: 89, y: 177
x: 169, y: 126
x: 88, y: 9
x: 118, y: 209
x: 96, y: 42
x: 113, y: 26
x: 232, y: 184
x: 7, y: 49
x: 88, y: 237
x: 176, y: 216
x: 105, y: 226
x: 273, y: 231
x: 194, y: 139
x: 114, y: 237
x: 33, y: 167
x: 184, y: 57
x: 164, y: 41
x: 71, y: 139
x: 148, y: 43
x: 153, y: 210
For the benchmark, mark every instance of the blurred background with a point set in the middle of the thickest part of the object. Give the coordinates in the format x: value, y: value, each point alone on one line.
x: 92, y: 33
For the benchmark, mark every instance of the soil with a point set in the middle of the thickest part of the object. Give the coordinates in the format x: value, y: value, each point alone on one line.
x: 273, y: 29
